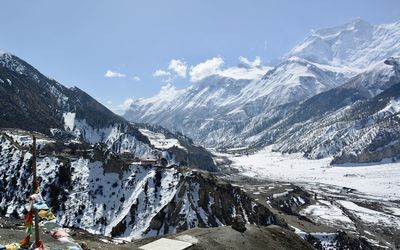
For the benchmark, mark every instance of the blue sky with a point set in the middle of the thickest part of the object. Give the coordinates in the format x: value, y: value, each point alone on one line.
x: 79, y: 43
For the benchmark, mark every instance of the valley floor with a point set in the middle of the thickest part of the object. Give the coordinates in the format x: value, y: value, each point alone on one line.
x: 379, y: 180
x: 363, y: 200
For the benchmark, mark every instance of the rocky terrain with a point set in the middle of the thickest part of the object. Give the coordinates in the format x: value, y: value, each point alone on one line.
x: 255, y: 237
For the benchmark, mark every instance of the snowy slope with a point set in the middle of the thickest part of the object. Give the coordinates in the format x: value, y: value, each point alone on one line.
x: 354, y: 122
x: 159, y: 140
x: 293, y: 80
x: 376, y: 78
x: 128, y: 203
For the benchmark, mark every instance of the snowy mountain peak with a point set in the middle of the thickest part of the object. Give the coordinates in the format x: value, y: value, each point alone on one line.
x: 11, y: 62
x: 2, y: 53
x: 356, y: 44
x: 358, y: 26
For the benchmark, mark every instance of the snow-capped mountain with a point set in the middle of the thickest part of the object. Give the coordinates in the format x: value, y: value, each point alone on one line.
x: 357, y: 44
x: 31, y: 101
x: 210, y: 93
x: 224, y: 103
x: 338, y: 66
x: 355, y: 122
x: 293, y: 80
x: 367, y: 131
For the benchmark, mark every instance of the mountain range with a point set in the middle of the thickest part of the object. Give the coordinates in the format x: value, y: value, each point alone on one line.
x: 332, y: 70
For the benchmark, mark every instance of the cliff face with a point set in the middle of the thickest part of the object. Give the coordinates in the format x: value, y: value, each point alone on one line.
x: 208, y: 202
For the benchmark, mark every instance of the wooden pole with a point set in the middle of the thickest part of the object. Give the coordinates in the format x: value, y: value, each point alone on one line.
x: 35, y: 186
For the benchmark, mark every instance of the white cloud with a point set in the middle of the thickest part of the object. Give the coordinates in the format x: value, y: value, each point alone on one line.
x: 179, y: 66
x: 136, y: 78
x: 246, y: 63
x: 113, y: 74
x: 204, y: 69
x: 247, y: 69
x: 160, y: 73
x: 176, y: 67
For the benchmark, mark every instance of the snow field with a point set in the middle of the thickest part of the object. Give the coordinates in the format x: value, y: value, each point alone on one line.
x: 377, y: 179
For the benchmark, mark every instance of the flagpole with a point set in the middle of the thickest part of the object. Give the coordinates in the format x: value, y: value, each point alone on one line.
x: 35, y: 187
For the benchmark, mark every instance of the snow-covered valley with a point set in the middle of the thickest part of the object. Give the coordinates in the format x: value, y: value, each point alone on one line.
x: 356, y: 198
x: 378, y: 179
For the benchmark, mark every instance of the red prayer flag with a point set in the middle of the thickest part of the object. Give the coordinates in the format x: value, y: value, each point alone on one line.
x: 29, y: 218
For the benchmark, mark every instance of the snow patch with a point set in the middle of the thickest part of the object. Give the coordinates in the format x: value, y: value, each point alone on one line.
x: 159, y: 140
x: 69, y: 120
x: 325, y: 212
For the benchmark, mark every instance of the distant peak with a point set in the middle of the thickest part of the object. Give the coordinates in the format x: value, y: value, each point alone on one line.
x: 358, y: 20
x: 12, y: 62
x: 356, y: 44
x: 357, y: 24
x: 5, y: 54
